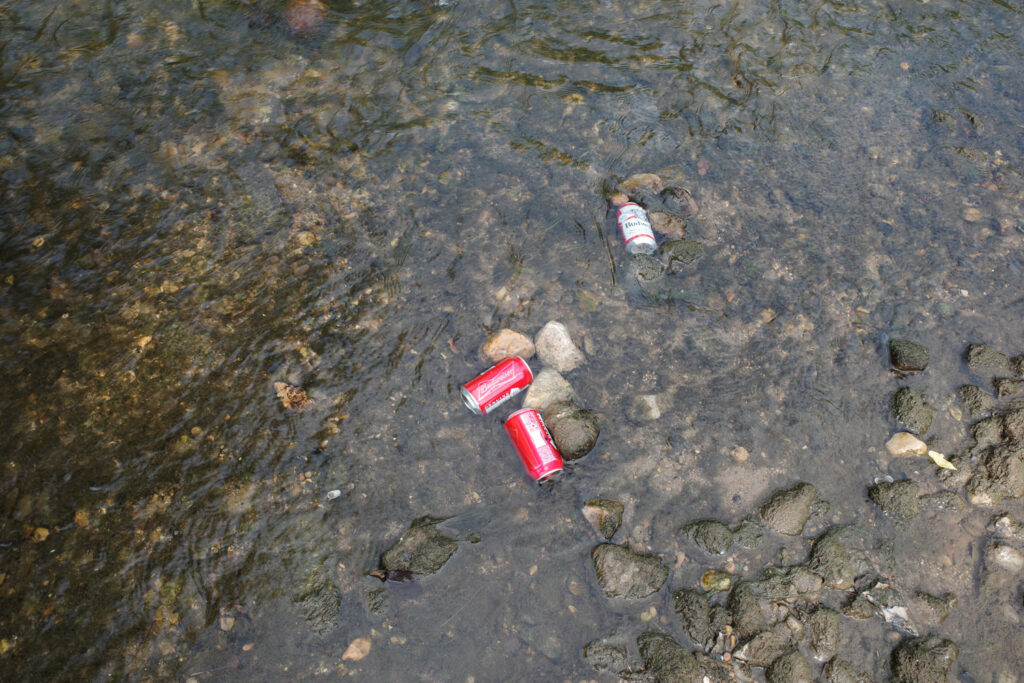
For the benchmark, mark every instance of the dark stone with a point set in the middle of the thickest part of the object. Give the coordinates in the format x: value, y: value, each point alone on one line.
x: 765, y: 647
x: 985, y: 361
x: 929, y: 610
x: 897, y: 498
x: 821, y: 628
x: 711, y: 536
x: 679, y: 200
x: 748, y: 535
x: 695, y: 614
x: 745, y: 609
x: 838, y: 670
x: 975, y: 400
x: 1001, y: 474
x: 830, y: 557
x: 787, y: 511
x: 1013, y: 424
x: 947, y: 501
x: 421, y: 550
x: 1017, y: 365
x: 320, y: 600
x: 1007, y: 387
x: 792, y: 583
x: 665, y: 659
x: 573, y: 429
x: 910, y: 408
x: 604, y: 514
x: 859, y: 608
x: 606, y: 656
x: 679, y: 253
x: 791, y: 667
x: 923, y: 660
x: 907, y: 355
x: 625, y: 574
x: 988, y: 431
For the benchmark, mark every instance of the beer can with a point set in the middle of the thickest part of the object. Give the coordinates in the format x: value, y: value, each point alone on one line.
x: 533, y: 443
x: 636, y: 230
x: 497, y: 385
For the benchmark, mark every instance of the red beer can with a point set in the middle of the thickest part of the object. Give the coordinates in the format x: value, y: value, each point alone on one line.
x: 503, y: 381
x: 533, y: 444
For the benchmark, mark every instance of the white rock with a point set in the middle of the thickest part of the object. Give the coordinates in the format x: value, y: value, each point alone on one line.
x: 556, y: 348
x: 904, y: 444
x: 1005, y: 556
x: 548, y: 387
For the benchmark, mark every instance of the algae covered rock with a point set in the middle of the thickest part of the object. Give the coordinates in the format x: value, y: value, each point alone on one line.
x: 665, y: 659
x: 573, y: 429
x: 765, y: 647
x: 791, y: 667
x: 897, y: 498
x: 788, y: 510
x: 605, y: 655
x: 695, y: 614
x: 623, y: 573
x: 910, y: 408
x: 986, y: 361
x: 831, y: 557
x: 745, y: 609
x: 604, y: 514
x: 821, y: 628
x: 907, y: 355
x: 1001, y: 474
x: 711, y: 536
x: 923, y: 660
x: 975, y: 400
x: 838, y: 670
x: 678, y: 253
x: 420, y: 550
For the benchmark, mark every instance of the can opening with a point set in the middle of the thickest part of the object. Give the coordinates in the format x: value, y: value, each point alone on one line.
x: 550, y: 476
x: 470, y: 402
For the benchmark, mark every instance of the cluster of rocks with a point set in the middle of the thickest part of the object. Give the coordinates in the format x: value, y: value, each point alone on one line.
x: 781, y: 621
x: 573, y: 428
x: 668, y: 208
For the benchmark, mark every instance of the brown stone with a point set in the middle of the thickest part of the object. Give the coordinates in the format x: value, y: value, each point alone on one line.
x: 507, y: 343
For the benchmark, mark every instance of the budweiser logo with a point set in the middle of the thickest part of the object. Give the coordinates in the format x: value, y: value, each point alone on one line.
x: 488, y: 385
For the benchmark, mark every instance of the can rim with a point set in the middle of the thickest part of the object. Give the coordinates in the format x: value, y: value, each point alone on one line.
x: 521, y: 410
x: 471, y: 401
x: 549, y: 475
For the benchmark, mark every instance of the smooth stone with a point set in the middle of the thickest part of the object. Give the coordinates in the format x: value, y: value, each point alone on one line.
x: 907, y: 355
x: 1005, y: 557
x: 420, y: 550
x: 507, y: 343
x: 556, y: 349
x: 573, y: 429
x: 904, y: 444
x: 302, y: 16
x: 642, y: 183
x: 548, y: 387
x: 623, y: 573
x: 645, y: 408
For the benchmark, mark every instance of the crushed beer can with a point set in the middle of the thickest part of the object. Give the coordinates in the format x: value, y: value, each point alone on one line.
x: 533, y: 444
x: 501, y: 382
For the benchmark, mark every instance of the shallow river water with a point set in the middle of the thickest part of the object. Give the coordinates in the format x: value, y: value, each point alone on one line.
x: 197, y: 202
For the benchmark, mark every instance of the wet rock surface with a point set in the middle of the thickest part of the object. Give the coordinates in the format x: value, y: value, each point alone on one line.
x: 791, y: 667
x: 420, y: 550
x: 556, y: 349
x: 897, y: 498
x: 676, y: 254
x: 548, y: 387
x: 907, y: 355
x: 787, y: 511
x: 975, y: 400
x: 923, y: 660
x: 507, y: 343
x: 711, y: 536
x: 604, y: 514
x: 573, y: 429
x: 623, y: 573
x: 822, y: 633
x: 911, y: 409
x: 986, y: 361
x: 838, y: 670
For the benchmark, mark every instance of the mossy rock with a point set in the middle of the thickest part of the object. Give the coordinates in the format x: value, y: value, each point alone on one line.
x: 910, y: 408
x: 907, y: 355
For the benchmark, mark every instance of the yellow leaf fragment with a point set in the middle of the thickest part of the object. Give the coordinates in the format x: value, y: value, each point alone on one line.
x: 940, y: 460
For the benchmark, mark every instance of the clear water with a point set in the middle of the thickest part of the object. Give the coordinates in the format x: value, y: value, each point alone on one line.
x: 197, y: 203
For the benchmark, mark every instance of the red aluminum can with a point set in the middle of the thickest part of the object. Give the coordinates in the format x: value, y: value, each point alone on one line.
x: 503, y: 381
x: 533, y: 444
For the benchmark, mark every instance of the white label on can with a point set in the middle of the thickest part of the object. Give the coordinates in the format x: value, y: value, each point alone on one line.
x: 633, y: 223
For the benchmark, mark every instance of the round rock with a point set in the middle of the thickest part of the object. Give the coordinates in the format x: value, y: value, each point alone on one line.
x: 507, y: 343
x: 548, y: 387
x: 574, y: 429
x: 788, y: 510
x: 623, y: 573
x: 556, y: 348
x: 907, y: 355
x: 910, y: 408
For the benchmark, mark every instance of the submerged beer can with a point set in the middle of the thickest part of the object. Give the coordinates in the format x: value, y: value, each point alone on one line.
x: 636, y: 230
x: 533, y: 444
x: 503, y: 381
